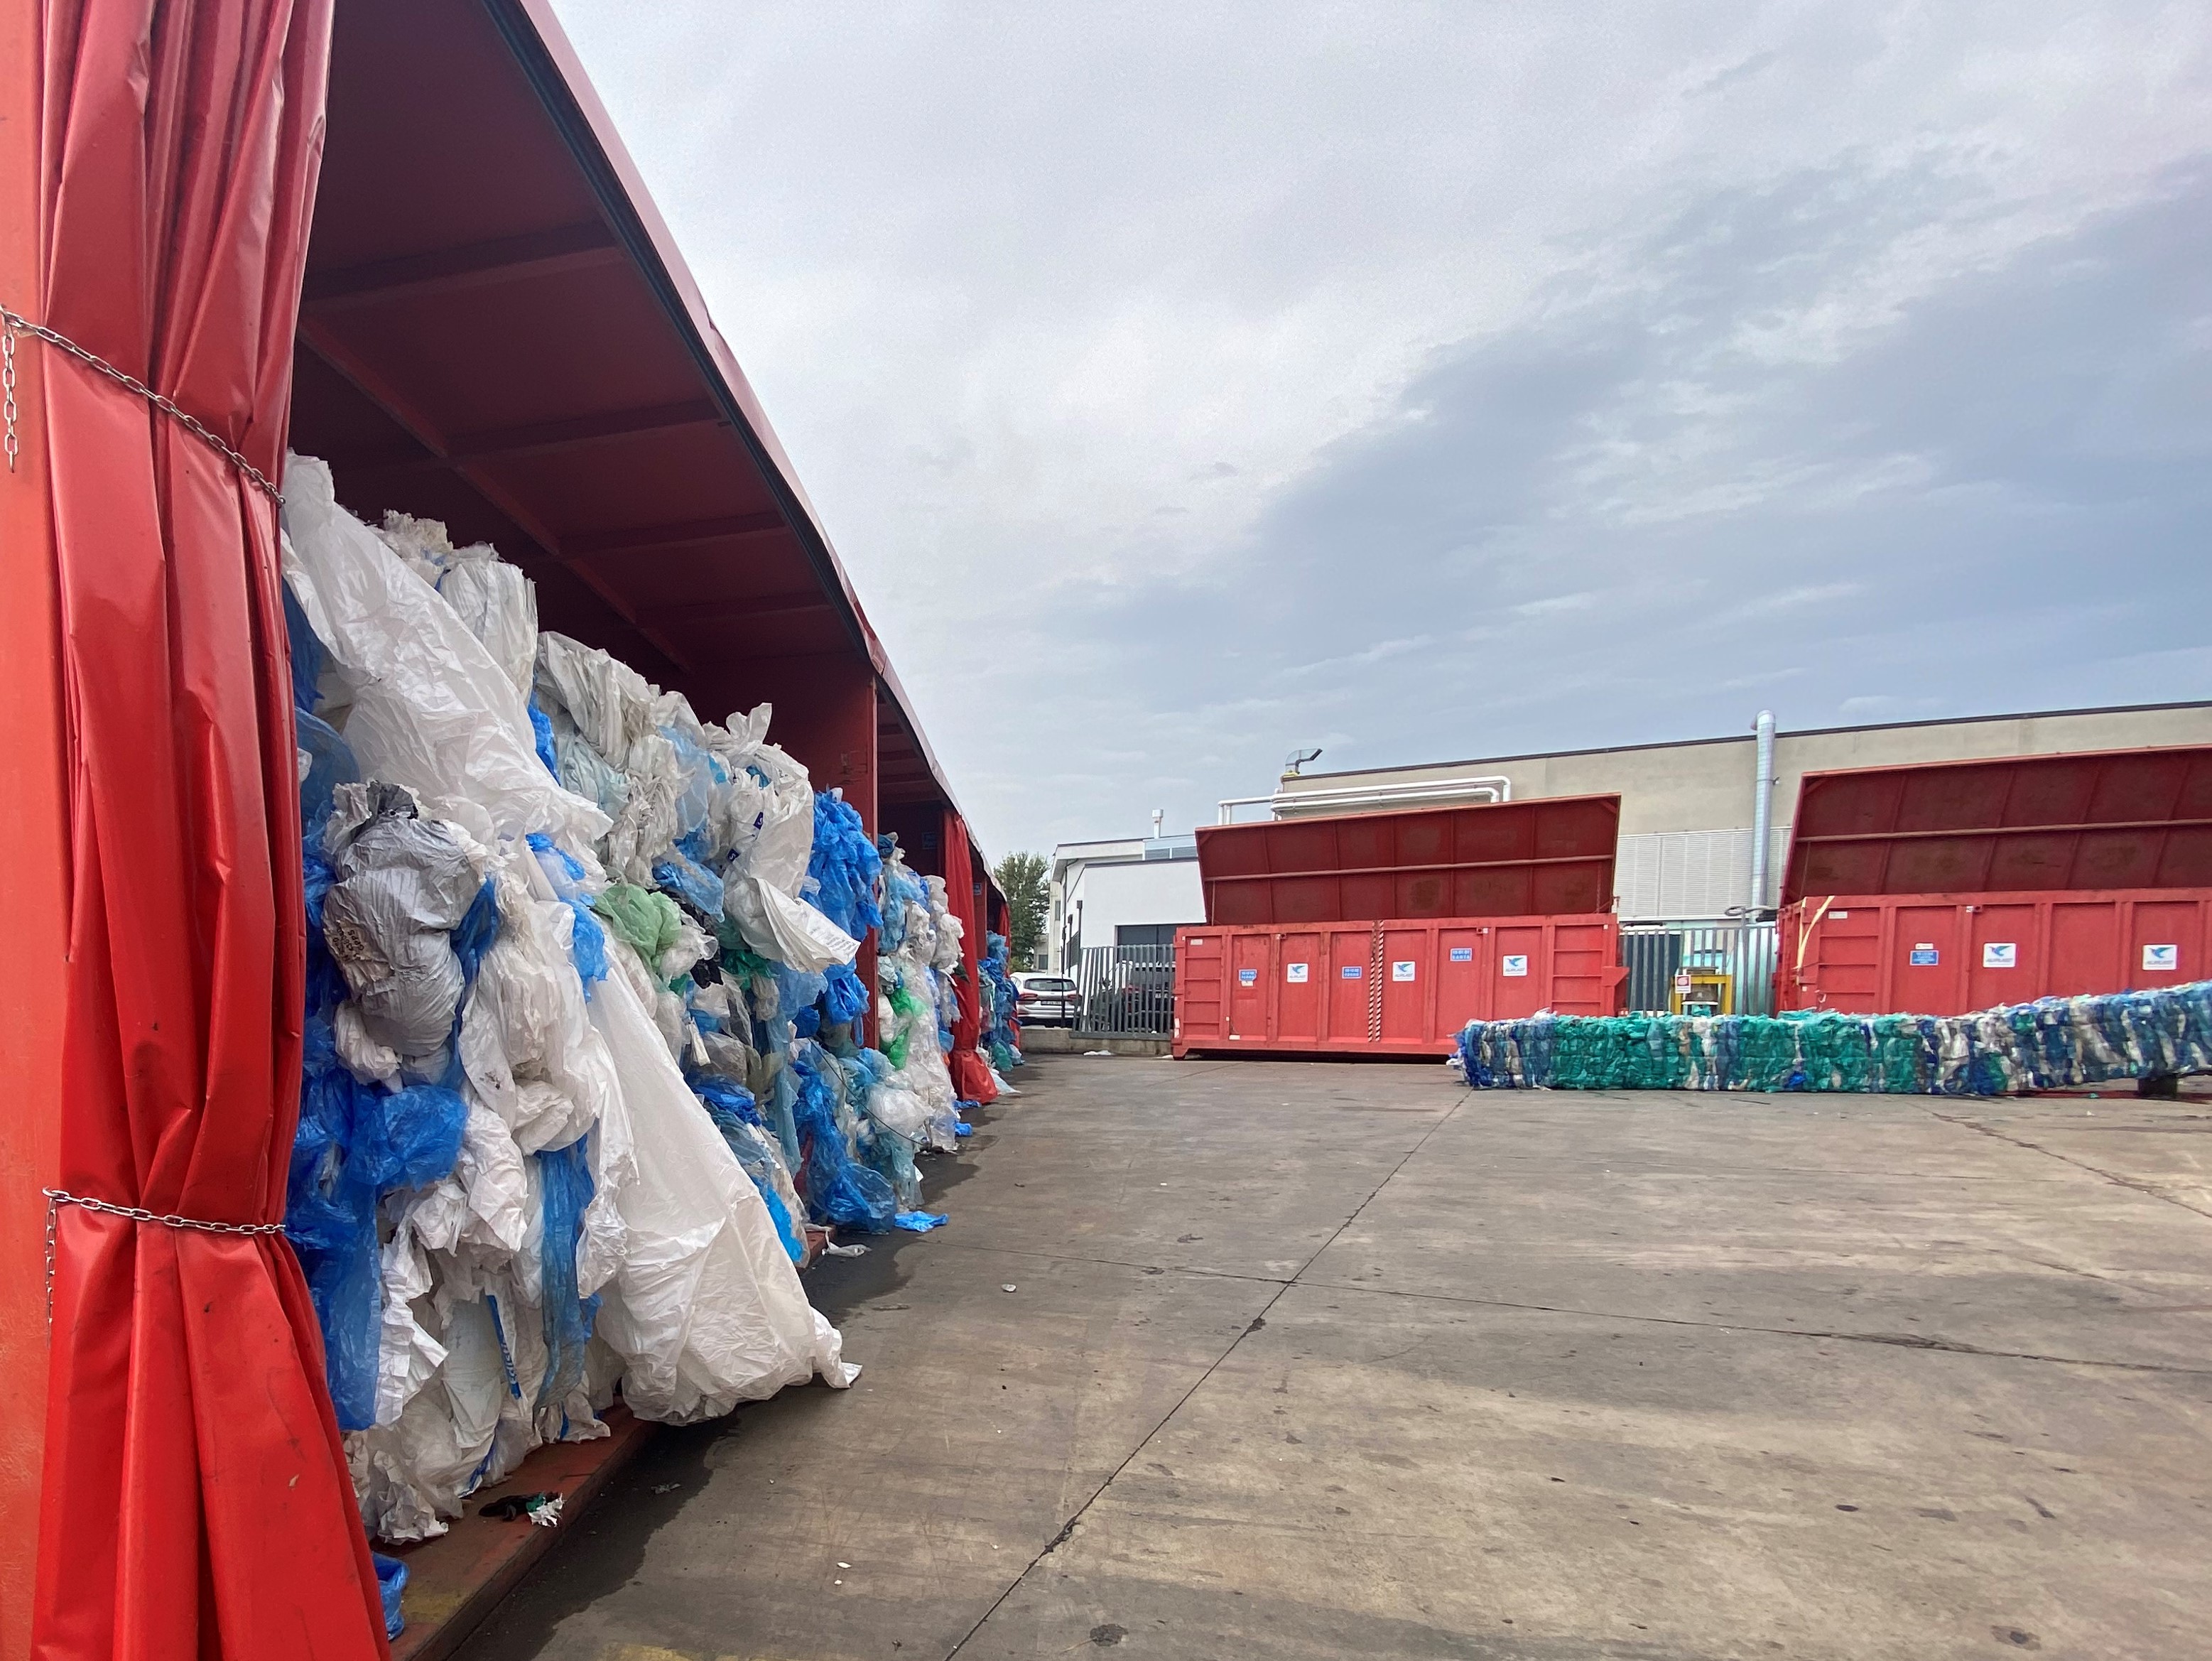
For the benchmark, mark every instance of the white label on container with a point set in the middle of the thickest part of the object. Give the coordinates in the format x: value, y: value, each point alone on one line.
x: 1248, y: 977
x: 1296, y: 973
x: 2161, y: 960
x: 1839, y: 915
x: 2000, y: 954
x: 1402, y: 971
x: 1462, y: 954
x: 1513, y: 964
x: 1353, y: 971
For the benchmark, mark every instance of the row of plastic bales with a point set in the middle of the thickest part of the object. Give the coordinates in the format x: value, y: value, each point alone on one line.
x: 2049, y: 1043
x: 583, y: 1036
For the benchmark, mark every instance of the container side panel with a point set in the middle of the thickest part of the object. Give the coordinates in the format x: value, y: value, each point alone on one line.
x: 2004, y: 962
x: 1302, y: 970
x: 1463, y: 969
x: 2165, y: 944
x: 2085, y: 949
x: 1583, y: 956
x: 1927, y: 964
x: 1349, y: 951
x: 1249, y: 984
x: 1199, y: 1002
x: 1406, y: 970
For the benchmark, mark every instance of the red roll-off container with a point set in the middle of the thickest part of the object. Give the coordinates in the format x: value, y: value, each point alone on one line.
x: 1399, y: 988
x: 1385, y: 934
x: 1938, y: 889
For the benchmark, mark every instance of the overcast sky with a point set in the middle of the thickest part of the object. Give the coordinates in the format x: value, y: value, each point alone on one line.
x: 1186, y: 384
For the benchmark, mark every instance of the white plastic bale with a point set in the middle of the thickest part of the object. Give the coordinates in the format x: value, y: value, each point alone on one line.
x: 789, y: 930
x: 430, y: 709
x: 526, y: 1044
x: 645, y: 829
x: 706, y: 1310
x: 610, y: 704
x: 499, y: 604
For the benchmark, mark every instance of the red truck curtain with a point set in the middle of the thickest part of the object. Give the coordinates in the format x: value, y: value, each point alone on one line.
x: 195, y: 1501
x: 971, y: 1073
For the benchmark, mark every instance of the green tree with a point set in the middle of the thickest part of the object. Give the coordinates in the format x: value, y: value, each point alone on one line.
x: 1021, y: 880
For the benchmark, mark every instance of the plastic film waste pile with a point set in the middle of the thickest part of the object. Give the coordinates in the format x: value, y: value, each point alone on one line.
x: 581, y: 1054
x: 2047, y: 1045
x: 1001, y: 1011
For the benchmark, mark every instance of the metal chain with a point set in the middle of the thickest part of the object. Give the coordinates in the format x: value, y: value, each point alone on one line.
x: 56, y: 1198
x: 1375, y: 988
x: 12, y: 324
x: 12, y: 443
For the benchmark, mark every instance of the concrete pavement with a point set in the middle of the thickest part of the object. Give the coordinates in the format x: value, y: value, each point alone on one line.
x: 1326, y: 1359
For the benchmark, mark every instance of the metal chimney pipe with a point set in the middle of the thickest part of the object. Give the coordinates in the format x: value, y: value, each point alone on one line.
x: 1762, y: 810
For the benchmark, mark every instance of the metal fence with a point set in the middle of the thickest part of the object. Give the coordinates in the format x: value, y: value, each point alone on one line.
x: 1654, y: 952
x: 1125, y: 991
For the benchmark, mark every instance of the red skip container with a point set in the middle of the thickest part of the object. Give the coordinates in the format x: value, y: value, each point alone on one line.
x: 1943, y: 888
x: 1399, y: 988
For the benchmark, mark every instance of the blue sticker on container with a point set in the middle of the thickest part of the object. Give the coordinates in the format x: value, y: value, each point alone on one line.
x: 1353, y: 971
x: 1462, y: 954
x: 1923, y: 956
x: 1247, y: 977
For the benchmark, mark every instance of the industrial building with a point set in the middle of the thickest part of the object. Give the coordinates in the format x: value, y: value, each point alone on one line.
x: 1688, y: 808
x: 1130, y: 892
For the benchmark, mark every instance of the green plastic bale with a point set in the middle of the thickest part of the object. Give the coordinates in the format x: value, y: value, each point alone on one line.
x: 648, y: 922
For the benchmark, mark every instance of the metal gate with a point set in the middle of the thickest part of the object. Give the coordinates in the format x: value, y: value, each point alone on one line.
x: 1125, y: 991
x: 1654, y: 952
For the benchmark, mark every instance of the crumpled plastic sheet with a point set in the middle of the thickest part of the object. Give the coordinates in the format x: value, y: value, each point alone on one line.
x: 2052, y: 1042
x: 429, y: 709
x: 706, y: 1310
x: 402, y: 885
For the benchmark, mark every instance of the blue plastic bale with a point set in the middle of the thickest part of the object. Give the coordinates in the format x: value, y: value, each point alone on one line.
x: 690, y: 881
x: 834, y: 1185
x: 731, y: 1107
x: 846, y: 998
x: 565, y: 1179
x: 844, y: 868
x: 541, y: 727
x: 308, y: 652
x: 330, y: 764
x: 356, y: 1143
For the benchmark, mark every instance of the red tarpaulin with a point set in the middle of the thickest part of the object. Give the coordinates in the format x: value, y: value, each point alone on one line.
x: 971, y: 1075
x: 195, y: 1502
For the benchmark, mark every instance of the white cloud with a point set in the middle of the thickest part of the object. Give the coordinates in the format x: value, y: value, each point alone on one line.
x: 1136, y: 358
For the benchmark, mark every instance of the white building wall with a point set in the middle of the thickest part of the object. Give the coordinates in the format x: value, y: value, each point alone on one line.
x: 1104, y: 896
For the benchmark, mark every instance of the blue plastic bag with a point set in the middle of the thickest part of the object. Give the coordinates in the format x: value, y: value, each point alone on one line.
x: 920, y: 1222
x: 390, y: 1581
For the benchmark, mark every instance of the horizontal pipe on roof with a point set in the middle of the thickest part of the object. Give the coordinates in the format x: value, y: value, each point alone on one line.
x: 1496, y: 786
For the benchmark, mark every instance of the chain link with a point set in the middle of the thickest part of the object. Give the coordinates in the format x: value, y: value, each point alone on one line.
x: 1375, y: 988
x: 12, y: 443
x: 56, y: 1198
x: 12, y: 324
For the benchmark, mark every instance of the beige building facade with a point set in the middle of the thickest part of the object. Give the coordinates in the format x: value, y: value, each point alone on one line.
x: 1686, y: 809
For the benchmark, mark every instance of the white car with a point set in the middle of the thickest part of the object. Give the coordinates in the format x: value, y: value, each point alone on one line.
x: 1045, y: 999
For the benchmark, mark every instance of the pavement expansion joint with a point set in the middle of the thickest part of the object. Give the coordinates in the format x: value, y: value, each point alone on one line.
x: 1894, y: 1340
x: 2138, y: 1185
